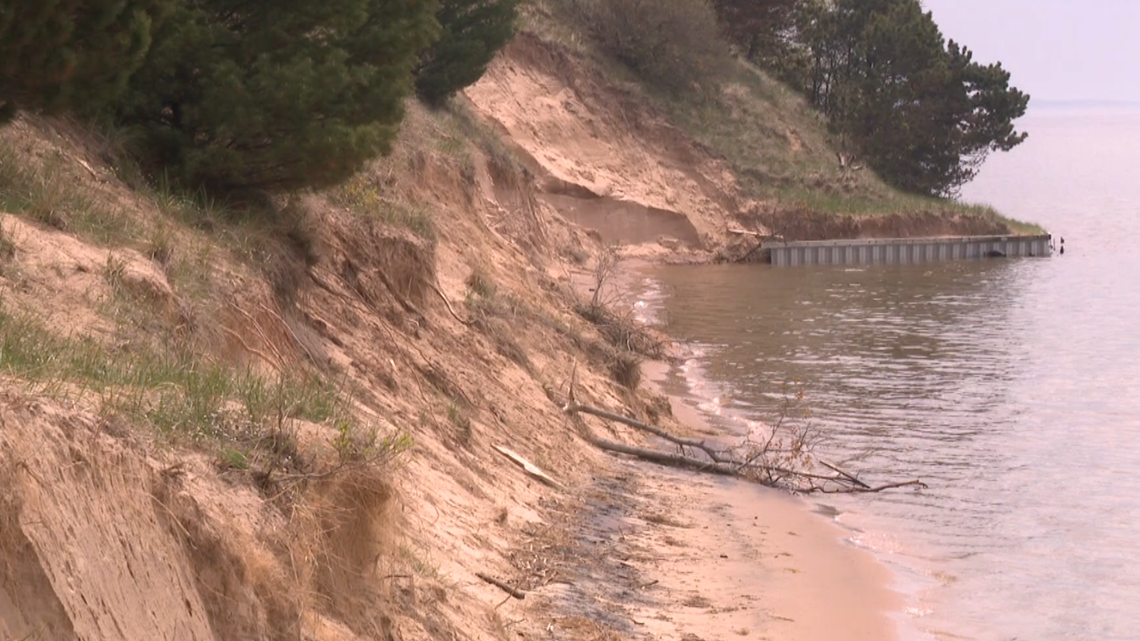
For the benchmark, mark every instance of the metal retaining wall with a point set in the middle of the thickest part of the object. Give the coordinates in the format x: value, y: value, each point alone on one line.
x: 904, y: 250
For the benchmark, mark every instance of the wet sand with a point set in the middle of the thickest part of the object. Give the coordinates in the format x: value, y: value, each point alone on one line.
x: 689, y: 556
x: 728, y: 559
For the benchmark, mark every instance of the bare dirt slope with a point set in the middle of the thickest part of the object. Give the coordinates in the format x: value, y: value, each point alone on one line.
x: 162, y: 476
x: 606, y: 159
x: 220, y: 425
x: 603, y: 159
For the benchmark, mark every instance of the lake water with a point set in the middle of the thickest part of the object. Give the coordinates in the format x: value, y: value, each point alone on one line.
x: 1012, y: 387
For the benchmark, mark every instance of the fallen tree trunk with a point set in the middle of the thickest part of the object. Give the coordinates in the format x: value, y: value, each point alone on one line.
x: 664, y: 458
x: 745, y: 461
x: 646, y: 427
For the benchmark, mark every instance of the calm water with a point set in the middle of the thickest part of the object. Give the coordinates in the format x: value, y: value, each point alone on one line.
x: 1011, y: 387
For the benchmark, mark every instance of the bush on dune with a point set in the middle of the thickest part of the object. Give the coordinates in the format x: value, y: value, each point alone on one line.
x: 675, y: 45
x: 71, y: 54
x: 275, y: 95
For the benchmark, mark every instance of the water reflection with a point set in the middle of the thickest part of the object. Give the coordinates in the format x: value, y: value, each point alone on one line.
x: 983, y: 378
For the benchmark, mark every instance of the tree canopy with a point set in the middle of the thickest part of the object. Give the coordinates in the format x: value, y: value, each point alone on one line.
x: 71, y: 54
x: 758, y: 27
x: 472, y: 31
x: 917, y: 107
x: 275, y: 94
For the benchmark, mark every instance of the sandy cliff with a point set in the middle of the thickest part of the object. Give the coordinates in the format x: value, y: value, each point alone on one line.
x: 435, y: 298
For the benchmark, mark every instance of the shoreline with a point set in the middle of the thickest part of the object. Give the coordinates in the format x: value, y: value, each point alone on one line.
x: 809, y: 582
x: 703, y: 557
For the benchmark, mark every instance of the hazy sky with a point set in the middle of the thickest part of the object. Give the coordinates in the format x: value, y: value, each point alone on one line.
x: 1055, y: 49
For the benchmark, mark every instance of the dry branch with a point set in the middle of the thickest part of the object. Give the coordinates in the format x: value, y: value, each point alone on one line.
x: 515, y: 592
x: 761, y: 463
x: 760, y: 240
x: 449, y: 307
x: 844, y: 474
x: 528, y: 467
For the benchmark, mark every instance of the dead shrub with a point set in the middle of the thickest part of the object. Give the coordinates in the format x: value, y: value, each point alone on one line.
x: 672, y: 44
x: 481, y: 283
x: 626, y: 369
x: 623, y: 331
x: 390, y: 262
x: 502, y: 336
x: 493, y: 317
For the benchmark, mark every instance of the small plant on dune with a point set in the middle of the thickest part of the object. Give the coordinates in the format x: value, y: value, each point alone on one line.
x: 160, y: 245
x: 363, y: 195
x: 7, y: 244
x: 114, y: 270
x: 481, y: 283
x: 495, y: 315
x: 232, y: 458
x: 457, y: 417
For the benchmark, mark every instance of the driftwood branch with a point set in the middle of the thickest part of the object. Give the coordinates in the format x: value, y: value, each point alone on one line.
x: 515, y: 592
x: 760, y: 240
x: 844, y: 474
x: 712, y: 453
x: 763, y: 463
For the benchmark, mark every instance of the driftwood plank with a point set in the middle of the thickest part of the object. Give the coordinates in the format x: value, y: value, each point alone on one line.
x: 528, y: 467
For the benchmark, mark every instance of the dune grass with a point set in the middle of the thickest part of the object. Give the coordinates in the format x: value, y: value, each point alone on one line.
x: 179, y: 395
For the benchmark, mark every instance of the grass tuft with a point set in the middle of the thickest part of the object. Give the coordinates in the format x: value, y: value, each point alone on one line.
x: 48, y: 193
x: 363, y: 195
x: 180, y: 396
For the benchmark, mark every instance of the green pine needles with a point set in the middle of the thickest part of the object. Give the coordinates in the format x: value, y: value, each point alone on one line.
x: 471, y: 32
x: 275, y: 94
x: 71, y: 54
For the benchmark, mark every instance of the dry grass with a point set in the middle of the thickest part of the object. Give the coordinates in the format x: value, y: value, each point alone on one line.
x: 48, y: 190
x: 626, y: 369
x: 241, y: 415
x: 496, y: 316
x: 363, y: 195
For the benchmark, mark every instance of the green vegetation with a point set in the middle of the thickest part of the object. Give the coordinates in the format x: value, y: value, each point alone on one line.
x: 783, y: 148
x: 472, y: 31
x: 916, y: 107
x: 71, y: 54
x: 48, y: 193
x: 188, y: 394
x: 671, y: 44
x: 458, y: 417
x: 759, y: 28
x: 363, y: 195
x: 275, y: 95
x: 496, y: 316
x: 179, y: 396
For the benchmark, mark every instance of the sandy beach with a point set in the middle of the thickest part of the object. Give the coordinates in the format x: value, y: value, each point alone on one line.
x: 738, y: 560
x: 660, y: 553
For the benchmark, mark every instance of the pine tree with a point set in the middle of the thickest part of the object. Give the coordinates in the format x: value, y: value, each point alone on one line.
x: 70, y: 54
x: 922, y: 113
x: 757, y: 26
x: 275, y: 94
x: 472, y: 32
